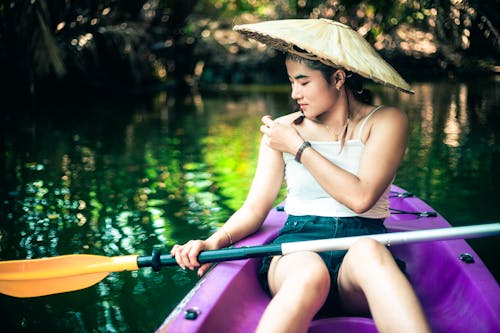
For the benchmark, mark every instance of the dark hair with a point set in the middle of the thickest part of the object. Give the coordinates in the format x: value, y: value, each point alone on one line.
x: 354, y: 82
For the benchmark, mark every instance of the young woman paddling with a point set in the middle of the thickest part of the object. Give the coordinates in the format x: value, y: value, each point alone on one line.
x: 339, y: 155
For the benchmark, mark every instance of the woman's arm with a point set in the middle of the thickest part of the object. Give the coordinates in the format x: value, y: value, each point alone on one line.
x: 265, y: 187
x: 385, y: 145
x: 246, y: 220
x: 384, y: 149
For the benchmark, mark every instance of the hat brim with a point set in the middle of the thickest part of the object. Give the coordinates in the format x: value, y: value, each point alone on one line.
x: 333, y: 43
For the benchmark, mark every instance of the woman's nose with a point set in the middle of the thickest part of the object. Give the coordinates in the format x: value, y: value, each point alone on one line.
x: 296, y: 93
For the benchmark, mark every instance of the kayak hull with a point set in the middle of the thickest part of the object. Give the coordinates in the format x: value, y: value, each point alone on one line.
x: 456, y: 296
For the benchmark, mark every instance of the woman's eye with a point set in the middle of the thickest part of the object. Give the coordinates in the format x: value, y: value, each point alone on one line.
x: 299, y: 83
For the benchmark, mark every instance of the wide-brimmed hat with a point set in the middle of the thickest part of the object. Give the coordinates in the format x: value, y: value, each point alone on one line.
x: 333, y: 43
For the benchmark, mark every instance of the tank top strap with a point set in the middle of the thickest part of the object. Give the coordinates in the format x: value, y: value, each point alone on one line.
x: 362, y: 127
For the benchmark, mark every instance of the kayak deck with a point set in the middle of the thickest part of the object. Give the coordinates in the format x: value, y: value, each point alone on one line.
x: 456, y: 296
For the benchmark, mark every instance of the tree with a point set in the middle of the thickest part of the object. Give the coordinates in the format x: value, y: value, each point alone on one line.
x: 120, y: 46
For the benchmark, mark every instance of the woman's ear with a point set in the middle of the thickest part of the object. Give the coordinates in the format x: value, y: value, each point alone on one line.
x: 338, y: 79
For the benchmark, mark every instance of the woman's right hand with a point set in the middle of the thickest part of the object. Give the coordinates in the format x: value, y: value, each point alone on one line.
x: 187, y: 255
x: 280, y: 136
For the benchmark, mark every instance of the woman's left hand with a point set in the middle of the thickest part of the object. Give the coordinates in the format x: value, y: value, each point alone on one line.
x: 279, y: 136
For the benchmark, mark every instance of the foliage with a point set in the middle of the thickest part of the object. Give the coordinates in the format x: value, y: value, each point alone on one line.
x: 112, y: 45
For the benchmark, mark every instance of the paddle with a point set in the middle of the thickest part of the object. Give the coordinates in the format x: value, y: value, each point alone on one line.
x: 39, y: 277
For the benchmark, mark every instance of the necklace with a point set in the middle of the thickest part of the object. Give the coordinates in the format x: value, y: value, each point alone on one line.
x: 341, y: 133
x: 337, y: 136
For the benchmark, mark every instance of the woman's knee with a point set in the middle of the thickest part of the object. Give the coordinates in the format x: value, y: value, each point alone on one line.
x: 315, y: 280
x: 302, y: 274
x: 368, y: 255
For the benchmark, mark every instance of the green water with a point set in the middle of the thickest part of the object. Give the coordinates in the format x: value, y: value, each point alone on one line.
x: 124, y: 177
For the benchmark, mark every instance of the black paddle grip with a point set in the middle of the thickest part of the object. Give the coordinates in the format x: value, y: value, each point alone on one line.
x: 157, y: 260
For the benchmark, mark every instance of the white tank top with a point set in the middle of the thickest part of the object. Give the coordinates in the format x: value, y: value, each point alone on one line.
x: 306, y: 197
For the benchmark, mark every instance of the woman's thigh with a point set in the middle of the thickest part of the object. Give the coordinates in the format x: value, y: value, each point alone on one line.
x: 298, y: 270
x: 363, y: 267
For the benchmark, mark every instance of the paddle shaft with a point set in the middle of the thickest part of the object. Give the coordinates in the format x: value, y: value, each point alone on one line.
x: 322, y: 245
x: 395, y: 238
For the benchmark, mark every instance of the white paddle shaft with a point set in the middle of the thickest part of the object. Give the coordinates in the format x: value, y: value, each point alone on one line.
x: 394, y: 238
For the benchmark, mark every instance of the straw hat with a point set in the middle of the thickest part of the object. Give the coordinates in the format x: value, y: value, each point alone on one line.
x: 333, y: 43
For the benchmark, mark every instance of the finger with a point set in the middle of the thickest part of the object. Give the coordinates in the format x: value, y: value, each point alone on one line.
x: 184, y: 256
x: 203, y: 269
x: 264, y: 129
x: 174, y: 249
x: 190, y: 253
x: 267, y: 120
x: 180, y: 260
x: 193, y: 257
x: 175, y: 252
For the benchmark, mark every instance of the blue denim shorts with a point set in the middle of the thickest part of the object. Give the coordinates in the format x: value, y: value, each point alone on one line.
x: 303, y: 228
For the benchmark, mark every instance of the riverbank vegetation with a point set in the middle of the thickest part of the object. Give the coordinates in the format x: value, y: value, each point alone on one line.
x: 51, y: 49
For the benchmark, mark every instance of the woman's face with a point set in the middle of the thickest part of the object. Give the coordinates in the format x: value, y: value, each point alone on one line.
x: 310, y: 90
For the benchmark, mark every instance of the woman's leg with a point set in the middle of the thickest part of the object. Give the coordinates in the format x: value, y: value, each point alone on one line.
x: 300, y: 283
x: 369, y: 278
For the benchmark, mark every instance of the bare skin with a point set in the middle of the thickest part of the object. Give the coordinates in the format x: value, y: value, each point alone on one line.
x: 369, y: 279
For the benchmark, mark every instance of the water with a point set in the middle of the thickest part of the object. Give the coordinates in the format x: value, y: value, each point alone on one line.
x: 124, y: 177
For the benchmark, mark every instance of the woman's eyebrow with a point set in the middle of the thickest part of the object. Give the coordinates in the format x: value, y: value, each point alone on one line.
x: 300, y: 76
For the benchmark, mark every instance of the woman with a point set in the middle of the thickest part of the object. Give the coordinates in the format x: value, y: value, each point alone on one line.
x: 339, y: 155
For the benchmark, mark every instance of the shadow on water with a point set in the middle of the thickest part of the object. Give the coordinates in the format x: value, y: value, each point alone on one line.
x: 124, y: 177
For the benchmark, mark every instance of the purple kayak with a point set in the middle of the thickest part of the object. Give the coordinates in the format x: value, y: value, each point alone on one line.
x: 456, y: 289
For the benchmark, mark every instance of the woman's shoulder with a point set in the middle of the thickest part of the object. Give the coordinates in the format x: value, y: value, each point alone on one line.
x: 389, y: 121
x: 385, y: 121
x: 389, y: 114
x: 395, y: 113
x: 288, y: 118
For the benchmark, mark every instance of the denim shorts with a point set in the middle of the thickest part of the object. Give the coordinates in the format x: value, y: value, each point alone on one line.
x: 303, y: 228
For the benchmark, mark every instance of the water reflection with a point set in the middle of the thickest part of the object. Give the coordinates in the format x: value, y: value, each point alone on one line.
x: 127, y: 178
x: 457, y: 118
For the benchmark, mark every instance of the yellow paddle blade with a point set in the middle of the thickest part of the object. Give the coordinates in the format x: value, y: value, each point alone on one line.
x: 40, y: 277
x: 43, y: 287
